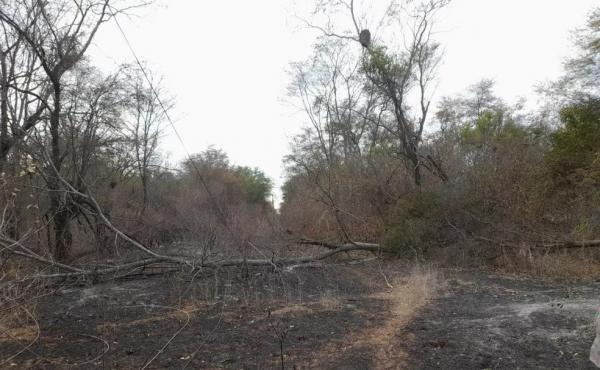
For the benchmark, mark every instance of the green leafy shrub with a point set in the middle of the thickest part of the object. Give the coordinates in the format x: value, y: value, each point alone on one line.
x: 576, y: 146
x: 415, y: 224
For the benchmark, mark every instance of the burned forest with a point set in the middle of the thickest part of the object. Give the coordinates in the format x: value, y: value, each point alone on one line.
x: 143, y: 223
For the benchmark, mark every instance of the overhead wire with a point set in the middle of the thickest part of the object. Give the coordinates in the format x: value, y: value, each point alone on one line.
x: 212, y: 198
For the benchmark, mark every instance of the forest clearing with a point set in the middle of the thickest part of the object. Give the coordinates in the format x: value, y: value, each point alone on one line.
x: 406, y: 231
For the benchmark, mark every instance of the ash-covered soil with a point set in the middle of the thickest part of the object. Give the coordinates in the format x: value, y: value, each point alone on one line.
x: 485, y: 321
x: 324, y: 317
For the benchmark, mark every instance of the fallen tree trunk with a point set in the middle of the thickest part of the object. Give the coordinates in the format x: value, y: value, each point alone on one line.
x: 316, y: 243
x: 541, y: 245
x: 198, y: 264
x: 333, y: 246
x: 571, y: 244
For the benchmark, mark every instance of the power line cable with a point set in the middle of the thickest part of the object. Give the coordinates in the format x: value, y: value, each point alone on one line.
x: 211, y: 197
x: 213, y: 200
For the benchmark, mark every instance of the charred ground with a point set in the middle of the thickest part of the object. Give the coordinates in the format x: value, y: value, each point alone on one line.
x: 329, y: 316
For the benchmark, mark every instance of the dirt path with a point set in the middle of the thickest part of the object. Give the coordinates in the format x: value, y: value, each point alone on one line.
x: 379, y: 345
x: 486, y: 321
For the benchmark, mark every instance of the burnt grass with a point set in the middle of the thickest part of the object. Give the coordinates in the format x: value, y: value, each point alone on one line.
x: 241, y: 319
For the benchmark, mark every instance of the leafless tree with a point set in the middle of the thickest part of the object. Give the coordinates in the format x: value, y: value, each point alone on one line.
x: 148, y: 108
x: 57, y: 35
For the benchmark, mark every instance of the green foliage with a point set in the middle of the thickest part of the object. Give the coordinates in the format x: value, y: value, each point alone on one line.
x: 213, y: 164
x: 381, y: 63
x: 483, y: 128
x: 491, y: 127
x: 583, y: 230
x: 256, y: 186
x: 576, y: 146
x: 416, y: 224
x: 291, y: 187
x: 512, y: 130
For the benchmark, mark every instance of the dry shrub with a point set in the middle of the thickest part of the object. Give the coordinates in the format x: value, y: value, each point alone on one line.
x: 423, y: 283
x: 305, y: 216
x: 411, y: 292
x: 180, y: 211
x: 360, y: 199
x: 327, y: 207
x: 416, y: 225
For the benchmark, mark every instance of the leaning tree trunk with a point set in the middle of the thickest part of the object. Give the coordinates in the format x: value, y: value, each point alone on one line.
x: 144, y: 179
x: 59, y: 207
x: 417, y: 176
x: 3, y: 107
x: 11, y: 216
x: 63, y: 238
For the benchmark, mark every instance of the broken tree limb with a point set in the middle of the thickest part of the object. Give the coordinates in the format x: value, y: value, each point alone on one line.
x: 12, y: 245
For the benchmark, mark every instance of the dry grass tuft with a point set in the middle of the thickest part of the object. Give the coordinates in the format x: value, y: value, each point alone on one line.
x: 170, y: 313
x: 17, y: 327
x: 322, y: 305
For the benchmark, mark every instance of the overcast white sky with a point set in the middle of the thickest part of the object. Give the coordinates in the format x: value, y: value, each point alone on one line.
x: 225, y: 63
